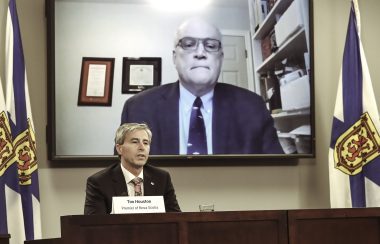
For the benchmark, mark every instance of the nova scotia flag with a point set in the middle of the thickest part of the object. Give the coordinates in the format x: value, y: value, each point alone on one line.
x: 19, y: 190
x: 354, y: 162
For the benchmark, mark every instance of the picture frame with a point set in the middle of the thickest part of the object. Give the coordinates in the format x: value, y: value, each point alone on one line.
x: 140, y: 74
x: 96, y: 81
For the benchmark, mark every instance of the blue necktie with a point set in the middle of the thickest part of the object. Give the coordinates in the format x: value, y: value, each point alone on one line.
x: 197, y: 143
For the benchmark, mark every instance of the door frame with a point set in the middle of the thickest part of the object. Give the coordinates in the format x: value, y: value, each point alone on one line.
x: 247, y: 40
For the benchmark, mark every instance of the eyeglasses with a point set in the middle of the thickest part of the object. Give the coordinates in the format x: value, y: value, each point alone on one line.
x: 191, y: 43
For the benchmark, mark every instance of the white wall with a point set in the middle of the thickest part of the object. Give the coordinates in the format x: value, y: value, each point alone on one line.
x: 230, y: 188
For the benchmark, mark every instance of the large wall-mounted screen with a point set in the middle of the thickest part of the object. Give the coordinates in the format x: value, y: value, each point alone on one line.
x: 262, y: 106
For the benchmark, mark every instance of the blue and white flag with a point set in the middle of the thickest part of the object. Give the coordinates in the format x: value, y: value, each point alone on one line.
x: 19, y: 190
x: 10, y: 200
x: 354, y: 162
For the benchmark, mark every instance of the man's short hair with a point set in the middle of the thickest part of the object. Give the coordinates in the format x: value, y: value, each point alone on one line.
x: 193, y: 19
x: 127, y: 128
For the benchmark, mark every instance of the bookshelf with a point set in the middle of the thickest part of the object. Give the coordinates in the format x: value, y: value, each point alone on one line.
x: 281, y: 59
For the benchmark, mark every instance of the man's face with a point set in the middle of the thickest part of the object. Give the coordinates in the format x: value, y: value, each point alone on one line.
x: 134, y: 151
x: 198, y: 69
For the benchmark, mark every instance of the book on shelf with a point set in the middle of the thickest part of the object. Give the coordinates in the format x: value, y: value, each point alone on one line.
x: 271, y: 4
x: 272, y: 93
x: 268, y: 44
x: 260, y: 11
x: 266, y: 47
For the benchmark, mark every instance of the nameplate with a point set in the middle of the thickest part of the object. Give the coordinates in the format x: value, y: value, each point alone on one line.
x: 143, y: 204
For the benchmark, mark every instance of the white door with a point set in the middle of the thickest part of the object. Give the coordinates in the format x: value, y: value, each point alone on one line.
x: 236, y: 69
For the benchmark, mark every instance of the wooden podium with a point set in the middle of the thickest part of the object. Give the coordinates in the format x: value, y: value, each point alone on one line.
x: 334, y: 226
x: 4, y: 239
x: 177, y: 228
x: 327, y: 226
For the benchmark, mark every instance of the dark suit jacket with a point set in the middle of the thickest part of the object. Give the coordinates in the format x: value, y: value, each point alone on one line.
x: 109, y: 182
x: 241, y: 122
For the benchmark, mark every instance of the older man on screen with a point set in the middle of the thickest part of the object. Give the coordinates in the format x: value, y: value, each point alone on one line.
x: 197, y: 115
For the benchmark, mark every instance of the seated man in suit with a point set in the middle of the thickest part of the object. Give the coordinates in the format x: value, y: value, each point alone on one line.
x: 132, y: 144
x: 233, y: 120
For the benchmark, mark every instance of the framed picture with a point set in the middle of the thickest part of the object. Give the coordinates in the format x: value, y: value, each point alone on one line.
x: 96, y: 81
x: 140, y: 74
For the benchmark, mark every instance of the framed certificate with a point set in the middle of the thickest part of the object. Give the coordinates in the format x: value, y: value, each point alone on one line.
x: 96, y: 82
x: 140, y: 74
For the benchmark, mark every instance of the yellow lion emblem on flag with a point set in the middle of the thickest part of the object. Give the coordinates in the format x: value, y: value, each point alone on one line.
x: 357, y: 146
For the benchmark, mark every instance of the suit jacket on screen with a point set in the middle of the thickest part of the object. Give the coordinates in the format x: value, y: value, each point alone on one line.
x: 105, y: 184
x: 241, y: 122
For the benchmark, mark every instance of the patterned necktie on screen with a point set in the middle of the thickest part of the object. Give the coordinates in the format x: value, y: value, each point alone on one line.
x: 137, y: 182
x: 197, y: 143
